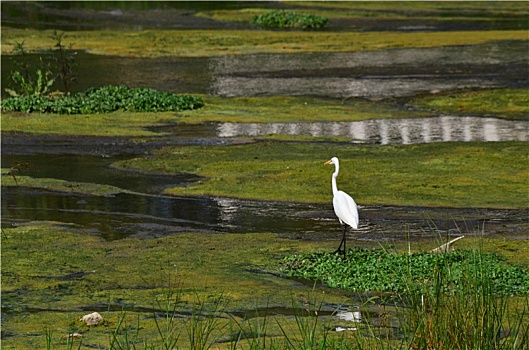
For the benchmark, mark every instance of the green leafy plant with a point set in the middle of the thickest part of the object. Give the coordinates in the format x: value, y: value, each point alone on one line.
x: 365, y: 270
x: 289, y: 19
x: 29, y: 80
x: 104, y: 100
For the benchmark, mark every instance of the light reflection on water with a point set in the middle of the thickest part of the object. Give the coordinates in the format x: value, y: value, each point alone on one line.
x: 393, y: 131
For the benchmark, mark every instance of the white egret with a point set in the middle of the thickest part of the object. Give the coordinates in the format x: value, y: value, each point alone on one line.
x: 344, y: 205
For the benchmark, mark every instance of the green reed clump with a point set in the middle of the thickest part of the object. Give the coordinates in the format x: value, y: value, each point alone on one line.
x: 478, y: 314
x: 366, y: 270
x: 104, y: 100
x: 289, y: 19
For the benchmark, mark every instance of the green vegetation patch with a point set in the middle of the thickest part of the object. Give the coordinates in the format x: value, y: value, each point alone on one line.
x: 491, y: 174
x: 115, y: 124
x: 277, y: 109
x: 188, y: 287
x: 103, y: 100
x: 508, y: 103
x: 208, y: 43
x: 366, y: 270
x: 289, y: 19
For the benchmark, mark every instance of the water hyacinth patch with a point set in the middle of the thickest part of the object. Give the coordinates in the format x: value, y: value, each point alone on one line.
x: 369, y: 270
x: 289, y: 19
x: 104, y: 100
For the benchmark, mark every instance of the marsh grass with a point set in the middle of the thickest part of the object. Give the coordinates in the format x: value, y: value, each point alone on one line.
x: 397, y: 320
x: 471, y: 316
x: 461, y: 306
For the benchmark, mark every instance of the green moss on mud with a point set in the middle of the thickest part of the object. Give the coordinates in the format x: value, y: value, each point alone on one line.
x: 216, y: 109
x: 60, y: 272
x: 57, y: 185
x: 208, y: 43
x: 510, y: 104
x: 505, y: 103
x: 442, y: 174
x: 119, y: 123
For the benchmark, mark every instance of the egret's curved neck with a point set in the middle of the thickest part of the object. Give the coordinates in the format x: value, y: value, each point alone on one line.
x: 334, y: 175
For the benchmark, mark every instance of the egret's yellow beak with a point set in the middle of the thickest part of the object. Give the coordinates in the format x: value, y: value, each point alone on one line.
x: 328, y: 162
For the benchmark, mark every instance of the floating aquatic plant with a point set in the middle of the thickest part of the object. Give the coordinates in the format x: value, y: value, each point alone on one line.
x: 366, y: 270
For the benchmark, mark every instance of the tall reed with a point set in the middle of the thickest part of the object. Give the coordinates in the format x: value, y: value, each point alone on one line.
x: 462, y: 313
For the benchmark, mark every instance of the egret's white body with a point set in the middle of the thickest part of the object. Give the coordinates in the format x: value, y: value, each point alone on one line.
x: 344, y: 205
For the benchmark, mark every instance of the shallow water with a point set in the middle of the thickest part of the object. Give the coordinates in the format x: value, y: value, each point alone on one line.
x: 372, y: 74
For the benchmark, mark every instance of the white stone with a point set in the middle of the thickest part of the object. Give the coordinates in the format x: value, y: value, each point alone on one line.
x: 92, y: 319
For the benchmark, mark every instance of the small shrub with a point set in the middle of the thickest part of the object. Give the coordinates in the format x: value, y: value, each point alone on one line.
x: 104, y: 100
x: 289, y: 19
x: 64, y: 62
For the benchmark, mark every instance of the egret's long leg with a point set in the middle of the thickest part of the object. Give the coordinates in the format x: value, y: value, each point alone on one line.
x: 339, y: 250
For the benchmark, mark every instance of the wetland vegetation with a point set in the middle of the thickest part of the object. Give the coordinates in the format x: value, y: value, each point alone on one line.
x: 206, y: 43
x: 199, y: 289
x: 103, y: 100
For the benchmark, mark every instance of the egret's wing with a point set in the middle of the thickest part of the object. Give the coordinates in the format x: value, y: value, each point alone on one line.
x: 346, y: 209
